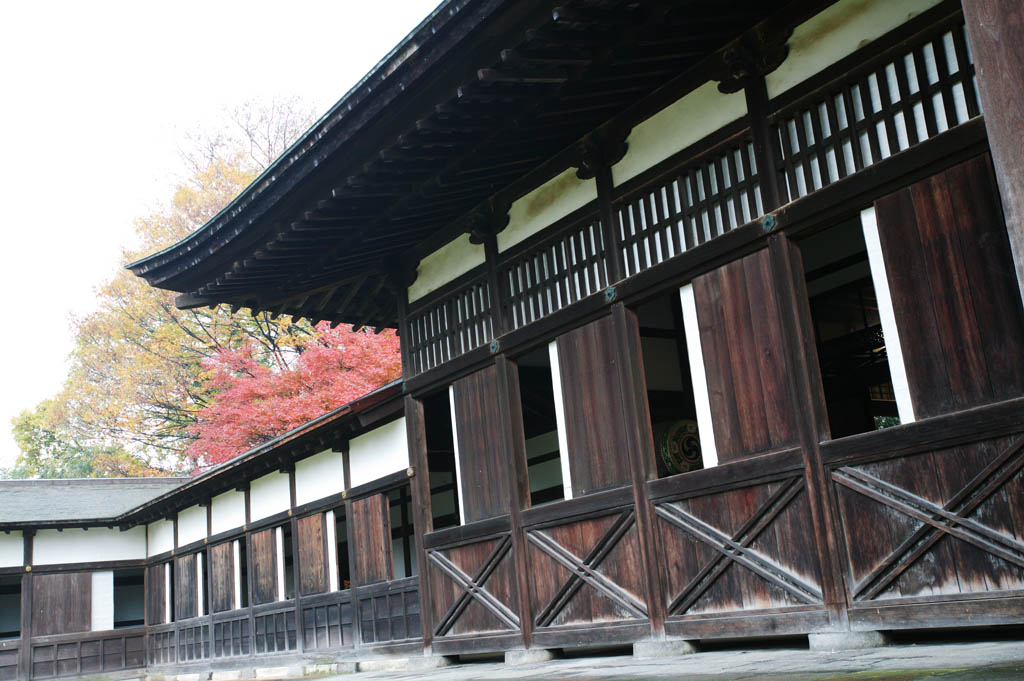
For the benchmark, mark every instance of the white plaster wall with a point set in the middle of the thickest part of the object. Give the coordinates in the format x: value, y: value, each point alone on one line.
x: 12, y: 549
x: 102, y: 600
x: 227, y: 511
x: 689, y: 119
x: 445, y: 264
x: 88, y: 546
x: 319, y: 476
x: 840, y: 30
x: 269, y: 495
x: 546, y: 204
x: 191, y: 525
x: 160, y: 537
x: 379, y: 452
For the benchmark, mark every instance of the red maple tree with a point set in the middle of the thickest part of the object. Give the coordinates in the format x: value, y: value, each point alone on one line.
x: 256, y: 402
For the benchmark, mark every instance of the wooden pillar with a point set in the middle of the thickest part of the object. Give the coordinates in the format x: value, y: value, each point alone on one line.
x: 296, y: 569
x: 994, y: 28
x: 766, y: 145
x: 510, y: 412
x: 808, y: 403
x: 423, y: 521
x: 25, y: 651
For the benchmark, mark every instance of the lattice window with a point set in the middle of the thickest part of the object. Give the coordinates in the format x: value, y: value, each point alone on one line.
x: 704, y: 199
x: 390, y: 617
x: 193, y: 643
x: 884, y: 109
x: 560, y: 270
x: 162, y: 647
x: 231, y: 638
x: 327, y: 626
x: 450, y: 327
x: 275, y: 633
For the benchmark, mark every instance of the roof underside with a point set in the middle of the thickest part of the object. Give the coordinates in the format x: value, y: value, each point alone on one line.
x: 480, y: 95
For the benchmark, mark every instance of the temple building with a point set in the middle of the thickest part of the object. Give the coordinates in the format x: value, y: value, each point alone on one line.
x: 711, y: 328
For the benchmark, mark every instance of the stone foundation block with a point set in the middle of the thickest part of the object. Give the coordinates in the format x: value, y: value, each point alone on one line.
x: 269, y: 673
x: 227, y: 675
x: 847, y: 640
x: 529, y: 656
x: 431, y: 662
x: 383, y: 664
x: 670, y: 647
x: 192, y: 677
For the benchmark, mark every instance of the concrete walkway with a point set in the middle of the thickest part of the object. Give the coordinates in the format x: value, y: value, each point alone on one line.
x: 988, y: 661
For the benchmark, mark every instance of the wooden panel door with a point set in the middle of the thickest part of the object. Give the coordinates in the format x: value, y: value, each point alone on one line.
x: 61, y: 603
x: 156, y: 594
x: 483, y: 461
x: 185, y: 587
x: 370, y: 534
x: 263, y: 568
x: 222, y: 577
x: 595, y: 407
x: 312, y: 555
x: 954, y: 290
x: 744, y: 360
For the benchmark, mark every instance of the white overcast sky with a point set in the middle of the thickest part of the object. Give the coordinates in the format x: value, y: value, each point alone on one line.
x: 95, y: 100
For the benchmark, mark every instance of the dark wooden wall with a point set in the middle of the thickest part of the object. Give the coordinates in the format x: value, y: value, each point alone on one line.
x: 595, y: 406
x: 313, y: 563
x: 954, y: 290
x: 222, y: 576
x: 482, y: 456
x: 263, y: 569
x: 156, y: 599
x: 741, y: 337
x: 371, y: 537
x: 185, y: 594
x: 61, y: 603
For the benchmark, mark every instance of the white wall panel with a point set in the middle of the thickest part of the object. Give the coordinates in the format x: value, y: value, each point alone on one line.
x: 191, y: 525
x: 690, y: 119
x: 269, y: 495
x: 227, y: 511
x: 445, y: 264
x: 160, y: 537
x: 379, y: 452
x: 12, y: 549
x: 102, y: 600
x: 319, y: 476
x: 545, y: 205
x: 840, y: 30
x: 52, y: 547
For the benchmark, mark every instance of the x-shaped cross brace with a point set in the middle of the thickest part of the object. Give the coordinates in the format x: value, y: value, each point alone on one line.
x: 736, y: 549
x: 473, y: 588
x: 937, y: 521
x: 585, y: 571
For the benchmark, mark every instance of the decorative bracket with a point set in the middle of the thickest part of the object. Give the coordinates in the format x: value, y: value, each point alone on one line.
x: 757, y: 52
x: 600, y: 149
x: 486, y: 221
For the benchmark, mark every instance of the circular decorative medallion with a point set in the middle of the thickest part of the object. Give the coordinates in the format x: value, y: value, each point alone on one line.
x: 679, y: 446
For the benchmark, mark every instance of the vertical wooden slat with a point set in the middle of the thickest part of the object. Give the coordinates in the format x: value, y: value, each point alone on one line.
x: 312, y: 570
x: 423, y: 519
x: 222, y: 577
x: 263, y: 567
x: 371, y: 535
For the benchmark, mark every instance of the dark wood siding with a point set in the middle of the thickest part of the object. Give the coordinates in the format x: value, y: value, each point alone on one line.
x: 61, y: 603
x: 312, y: 560
x: 156, y: 598
x: 741, y: 338
x: 222, y: 577
x: 263, y: 569
x: 185, y: 604
x: 371, y: 539
x: 954, y: 290
x: 482, y: 458
x: 595, y: 408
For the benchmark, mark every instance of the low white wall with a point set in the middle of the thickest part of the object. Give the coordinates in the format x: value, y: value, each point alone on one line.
x: 545, y: 205
x: 53, y: 547
x: 227, y: 511
x: 379, y: 452
x: 690, y: 119
x: 160, y: 537
x: 319, y: 476
x: 269, y: 495
x: 191, y: 525
x: 836, y: 32
x: 102, y: 600
x: 12, y: 549
x: 446, y: 264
